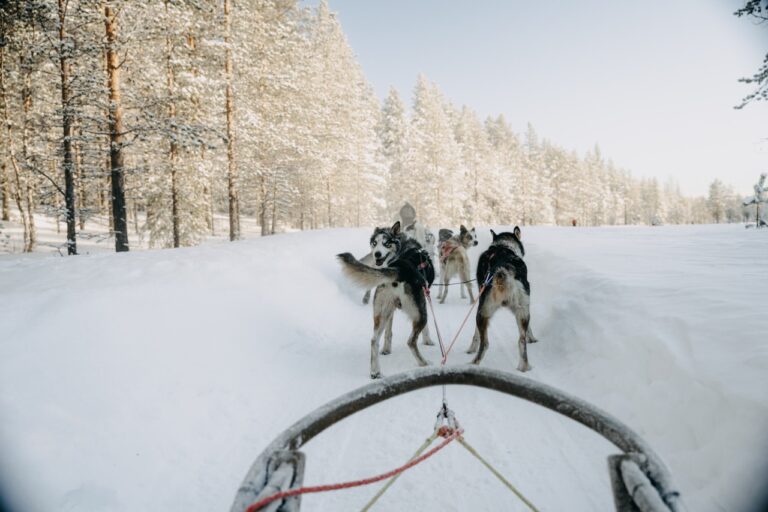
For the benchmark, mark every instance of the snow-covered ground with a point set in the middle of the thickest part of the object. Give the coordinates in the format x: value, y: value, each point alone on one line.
x: 150, y: 380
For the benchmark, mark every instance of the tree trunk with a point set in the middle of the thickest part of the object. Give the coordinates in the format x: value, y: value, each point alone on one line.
x: 56, y: 197
x: 82, y: 198
x: 135, y: 216
x: 26, y: 101
x: 174, y: 148
x: 116, y: 156
x: 234, y: 201
x: 66, y: 95
x: 11, y: 149
x: 31, y: 216
x: 6, y: 191
x: 328, y: 193
x: 274, y: 208
x: 263, y: 207
x: 175, y: 199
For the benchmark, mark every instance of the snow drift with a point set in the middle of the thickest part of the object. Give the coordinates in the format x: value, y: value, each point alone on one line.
x: 150, y: 380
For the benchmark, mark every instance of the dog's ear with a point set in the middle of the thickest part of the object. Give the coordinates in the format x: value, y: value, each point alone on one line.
x: 493, y: 234
x: 517, y: 233
x: 396, y: 228
x: 463, y: 228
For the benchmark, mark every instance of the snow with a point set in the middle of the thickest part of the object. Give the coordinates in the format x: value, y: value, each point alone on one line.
x: 151, y: 380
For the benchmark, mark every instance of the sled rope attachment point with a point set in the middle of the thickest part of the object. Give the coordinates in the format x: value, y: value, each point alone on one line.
x: 448, y: 434
x: 447, y: 419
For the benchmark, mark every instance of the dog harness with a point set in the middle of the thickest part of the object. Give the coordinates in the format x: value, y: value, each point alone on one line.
x: 446, y: 248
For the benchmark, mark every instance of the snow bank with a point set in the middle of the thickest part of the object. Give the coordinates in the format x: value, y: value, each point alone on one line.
x: 150, y: 380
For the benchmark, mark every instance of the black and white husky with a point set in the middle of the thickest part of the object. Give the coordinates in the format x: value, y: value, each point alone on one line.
x: 507, y: 286
x: 401, y: 285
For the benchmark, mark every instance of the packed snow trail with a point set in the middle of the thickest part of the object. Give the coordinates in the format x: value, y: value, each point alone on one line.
x: 151, y: 380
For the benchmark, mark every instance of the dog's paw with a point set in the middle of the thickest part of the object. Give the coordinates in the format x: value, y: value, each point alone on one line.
x: 531, y: 339
x: 429, y: 342
x: 425, y: 363
x: 385, y: 352
x: 375, y: 375
x: 471, y: 350
x: 524, y: 367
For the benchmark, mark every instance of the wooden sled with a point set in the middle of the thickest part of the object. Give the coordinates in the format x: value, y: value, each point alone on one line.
x: 639, y: 479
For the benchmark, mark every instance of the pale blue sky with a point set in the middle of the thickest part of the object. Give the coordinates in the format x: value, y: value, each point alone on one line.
x: 654, y: 83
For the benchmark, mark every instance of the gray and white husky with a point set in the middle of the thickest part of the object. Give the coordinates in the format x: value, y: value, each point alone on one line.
x: 455, y: 261
x: 400, y: 284
x: 502, y: 263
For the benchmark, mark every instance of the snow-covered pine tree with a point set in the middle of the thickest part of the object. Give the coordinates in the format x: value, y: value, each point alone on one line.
x: 432, y: 157
x: 393, y: 134
x: 716, y: 201
x: 275, y: 113
x: 178, y: 210
x: 537, y: 208
x: 479, y: 192
x: 509, y: 165
x: 760, y: 198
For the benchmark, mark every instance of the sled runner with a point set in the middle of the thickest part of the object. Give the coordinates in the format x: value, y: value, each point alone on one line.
x: 639, y: 479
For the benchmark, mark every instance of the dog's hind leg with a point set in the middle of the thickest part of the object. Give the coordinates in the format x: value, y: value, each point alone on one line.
x: 383, y: 310
x: 483, y: 318
x: 476, y: 337
x: 418, y: 326
x: 367, y: 297
x: 475, y: 342
x: 522, y: 318
x: 417, y: 312
x: 377, y: 328
x: 446, y: 279
x: 482, y: 333
x: 467, y: 283
x: 426, y: 338
x: 530, y: 337
x: 388, y: 336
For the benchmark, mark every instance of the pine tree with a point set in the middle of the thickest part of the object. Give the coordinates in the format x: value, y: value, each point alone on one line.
x: 393, y: 134
x: 432, y: 157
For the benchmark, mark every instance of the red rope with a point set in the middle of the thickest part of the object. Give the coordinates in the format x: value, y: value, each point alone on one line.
x: 448, y: 433
x: 434, y: 320
x: 445, y: 355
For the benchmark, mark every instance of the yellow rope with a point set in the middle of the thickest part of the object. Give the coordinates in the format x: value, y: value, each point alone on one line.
x: 497, y: 474
x: 391, y: 481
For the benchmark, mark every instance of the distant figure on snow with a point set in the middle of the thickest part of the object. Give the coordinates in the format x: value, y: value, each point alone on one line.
x: 407, y: 215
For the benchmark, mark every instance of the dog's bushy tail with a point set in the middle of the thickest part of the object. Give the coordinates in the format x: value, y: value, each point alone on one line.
x: 363, y: 275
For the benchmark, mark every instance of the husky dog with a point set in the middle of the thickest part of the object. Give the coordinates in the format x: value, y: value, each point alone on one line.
x: 382, y: 251
x: 454, y: 260
x: 443, y: 235
x: 507, y: 286
x: 399, y: 285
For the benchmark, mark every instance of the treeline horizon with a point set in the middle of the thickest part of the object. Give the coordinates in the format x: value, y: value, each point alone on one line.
x: 162, y: 114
